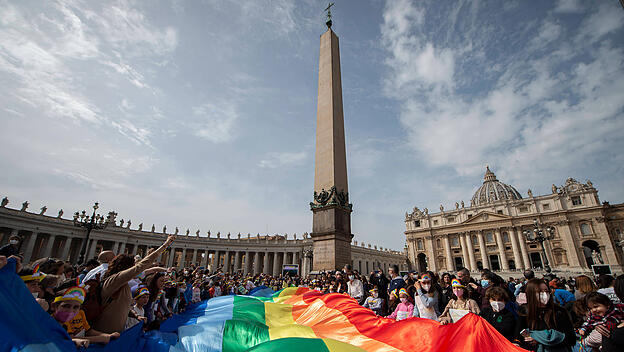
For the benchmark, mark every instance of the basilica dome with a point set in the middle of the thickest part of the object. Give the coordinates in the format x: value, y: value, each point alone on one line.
x: 493, y: 190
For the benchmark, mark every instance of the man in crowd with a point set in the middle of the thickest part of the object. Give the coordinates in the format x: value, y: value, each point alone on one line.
x: 104, y: 258
x: 12, y: 248
x: 396, y: 281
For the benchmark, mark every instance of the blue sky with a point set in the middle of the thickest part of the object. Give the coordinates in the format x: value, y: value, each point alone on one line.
x: 201, y: 114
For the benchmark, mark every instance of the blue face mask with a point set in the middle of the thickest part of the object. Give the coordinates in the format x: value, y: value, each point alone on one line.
x: 485, y: 283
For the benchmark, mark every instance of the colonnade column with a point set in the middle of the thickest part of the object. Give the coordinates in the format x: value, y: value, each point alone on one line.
x: 256, y: 263
x: 515, y: 249
x: 275, y: 263
x: 48, y: 248
x: 237, y: 261
x: 483, y: 249
x: 471, y: 253
x: 246, y: 266
x: 30, y: 246
x: 171, y: 256
x: 265, y: 266
x: 66, y: 247
x: 523, y: 248
x: 122, y: 248
x: 91, y: 252
x: 226, y: 262
x: 194, y: 256
x: 501, y: 250
x: 449, y: 254
x: 183, y: 261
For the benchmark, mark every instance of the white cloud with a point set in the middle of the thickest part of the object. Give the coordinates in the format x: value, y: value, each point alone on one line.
x: 275, y: 160
x: 216, y: 121
x: 569, y: 6
x: 533, y: 113
x: 607, y: 19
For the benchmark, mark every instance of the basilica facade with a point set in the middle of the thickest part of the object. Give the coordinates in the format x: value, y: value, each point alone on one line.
x: 492, y: 231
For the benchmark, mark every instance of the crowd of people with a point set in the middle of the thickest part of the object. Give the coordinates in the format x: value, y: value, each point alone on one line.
x: 98, y: 300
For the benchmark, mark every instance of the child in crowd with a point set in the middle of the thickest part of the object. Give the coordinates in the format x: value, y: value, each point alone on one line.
x: 31, y: 279
x: 140, y: 294
x: 374, y: 302
x: 67, y: 312
x: 601, y: 312
x: 461, y: 303
x: 404, y: 309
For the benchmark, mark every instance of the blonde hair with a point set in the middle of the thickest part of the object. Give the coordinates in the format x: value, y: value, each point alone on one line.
x: 584, y: 284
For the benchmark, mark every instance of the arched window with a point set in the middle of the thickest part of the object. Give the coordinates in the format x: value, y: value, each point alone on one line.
x: 585, y: 229
x: 438, y: 243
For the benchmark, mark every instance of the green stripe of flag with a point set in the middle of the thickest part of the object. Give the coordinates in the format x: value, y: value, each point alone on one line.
x: 298, y: 344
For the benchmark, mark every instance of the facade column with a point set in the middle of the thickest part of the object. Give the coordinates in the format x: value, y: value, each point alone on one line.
x: 523, y: 249
x: 237, y: 261
x: 256, y: 263
x: 30, y: 247
x: 464, y: 247
x: 66, y: 247
x: 135, y: 248
x: 501, y: 250
x: 122, y: 248
x: 226, y: 263
x: 265, y: 266
x: 48, y: 248
x: 449, y: 254
x: 432, y: 265
x: 484, y: 257
x: 471, y: 252
x: 275, y: 263
x: 516, y: 250
x: 571, y: 247
x: 194, y: 256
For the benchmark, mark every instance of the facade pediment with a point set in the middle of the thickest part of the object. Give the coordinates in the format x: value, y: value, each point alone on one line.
x: 486, y: 216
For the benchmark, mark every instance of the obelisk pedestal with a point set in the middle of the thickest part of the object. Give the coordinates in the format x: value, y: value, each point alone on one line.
x: 331, y: 224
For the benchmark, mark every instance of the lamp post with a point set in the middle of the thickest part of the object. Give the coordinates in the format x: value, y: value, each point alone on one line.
x: 539, y: 234
x: 93, y: 222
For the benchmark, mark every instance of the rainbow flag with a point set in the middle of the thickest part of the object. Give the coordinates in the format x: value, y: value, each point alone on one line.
x: 299, y: 319
x: 293, y: 319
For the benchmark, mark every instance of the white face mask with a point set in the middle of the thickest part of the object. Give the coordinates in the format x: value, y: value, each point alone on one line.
x: 375, y: 295
x: 351, y: 277
x: 35, y: 294
x: 62, y: 278
x: 13, y: 241
x: 497, y: 306
x: 544, y: 297
x: 426, y: 287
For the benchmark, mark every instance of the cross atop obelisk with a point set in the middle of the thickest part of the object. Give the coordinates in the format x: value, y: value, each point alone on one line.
x: 331, y: 228
x: 329, y: 17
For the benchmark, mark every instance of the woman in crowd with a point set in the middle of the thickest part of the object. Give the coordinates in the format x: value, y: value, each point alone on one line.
x: 116, y: 294
x: 584, y: 285
x: 497, y: 315
x: 613, y: 341
x: 426, y: 297
x: 460, y: 303
x: 446, y: 291
x: 543, y: 325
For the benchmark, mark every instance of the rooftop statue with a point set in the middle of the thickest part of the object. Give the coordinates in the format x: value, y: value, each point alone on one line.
x: 4, y: 203
x: 24, y: 206
x: 141, y: 227
x: 60, y: 213
x: 43, y: 210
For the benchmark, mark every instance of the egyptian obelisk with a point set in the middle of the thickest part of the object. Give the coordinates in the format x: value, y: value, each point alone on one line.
x: 331, y: 224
